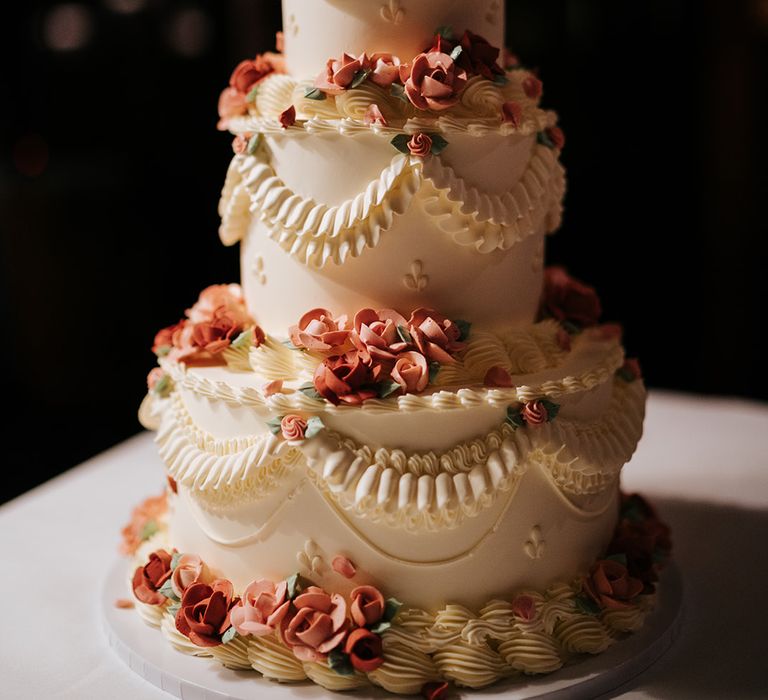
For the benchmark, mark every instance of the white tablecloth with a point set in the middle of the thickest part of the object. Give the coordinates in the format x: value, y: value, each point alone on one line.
x: 703, y: 461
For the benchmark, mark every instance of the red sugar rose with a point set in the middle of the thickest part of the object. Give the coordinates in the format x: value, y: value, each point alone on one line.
x: 433, y: 81
x: 364, y: 649
x: 565, y: 298
x: 148, y: 579
x: 610, y: 585
x: 367, y: 605
x: 420, y: 144
x: 319, y: 625
x: 204, y: 615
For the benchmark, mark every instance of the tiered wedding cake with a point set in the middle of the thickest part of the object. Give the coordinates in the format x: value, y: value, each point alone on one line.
x: 394, y: 452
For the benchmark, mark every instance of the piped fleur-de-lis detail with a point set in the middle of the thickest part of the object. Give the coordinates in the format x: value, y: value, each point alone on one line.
x: 258, y: 269
x: 392, y: 12
x: 292, y: 25
x: 493, y: 11
x: 416, y: 280
x: 311, y: 559
x: 534, y: 546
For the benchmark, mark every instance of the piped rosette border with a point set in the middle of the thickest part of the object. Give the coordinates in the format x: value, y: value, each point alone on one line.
x: 293, y: 630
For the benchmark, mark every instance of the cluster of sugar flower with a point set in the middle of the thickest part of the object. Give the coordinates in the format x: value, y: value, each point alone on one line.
x: 430, y: 82
x: 317, y: 626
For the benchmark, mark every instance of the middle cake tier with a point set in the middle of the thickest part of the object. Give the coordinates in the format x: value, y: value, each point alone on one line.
x: 336, y: 217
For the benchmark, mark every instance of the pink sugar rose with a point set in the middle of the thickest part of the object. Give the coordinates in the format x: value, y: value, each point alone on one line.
x: 231, y: 104
x: 411, y: 372
x: 219, y: 296
x: 261, y: 609
x: 497, y: 376
x: 512, y: 113
x: 319, y: 625
x: 524, y: 607
x: 367, y: 606
x: 344, y: 379
x: 436, y: 336
x: 535, y: 413
x: 240, y: 144
x: 365, y: 650
x: 565, y: 298
x: 433, y: 81
x: 189, y: 569
x: 343, y: 566
x: 340, y: 72
x: 373, y: 115
x: 149, y: 579
x: 376, y: 337
x: 204, y: 615
x: 250, y: 72
x: 293, y: 427
x: 533, y: 87
x: 420, y: 144
x: 610, y: 585
x: 385, y: 69
x: 318, y: 331
x: 149, y: 510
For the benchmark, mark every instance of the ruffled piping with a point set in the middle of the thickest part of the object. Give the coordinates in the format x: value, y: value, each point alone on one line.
x: 435, y: 492
x: 489, y: 222
x: 316, y: 233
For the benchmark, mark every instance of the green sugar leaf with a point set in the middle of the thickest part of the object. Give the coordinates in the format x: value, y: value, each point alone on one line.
x: 387, y: 388
x: 438, y: 143
x: 500, y: 80
x: 380, y: 627
x: 434, y: 370
x: 397, y: 90
x: 359, y: 78
x: 456, y: 52
x: 167, y: 590
x: 339, y: 662
x: 175, y: 560
x: 400, y: 142
x: 464, y: 328
x: 391, y: 608
x: 251, y: 96
x: 313, y: 93
x: 314, y: 426
x: 173, y: 608
x: 445, y: 31
x: 404, y: 335
x: 163, y: 386
x: 544, y: 139
x: 150, y: 528
x: 253, y: 144
x: 296, y: 585
x: 515, y: 416
x: 552, y: 409
x: 309, y: 391
x: 586, y: 605
x: 163, y: 350
x: 229, y: 635
x: 244, y: 340
x: 274, y: 425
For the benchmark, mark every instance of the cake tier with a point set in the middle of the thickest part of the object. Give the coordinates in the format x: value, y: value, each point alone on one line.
x: 421, y: 491
x: 314, y: 31
x: 346, y: 221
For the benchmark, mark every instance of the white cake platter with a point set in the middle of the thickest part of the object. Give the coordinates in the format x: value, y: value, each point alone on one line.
x: 149, y: 654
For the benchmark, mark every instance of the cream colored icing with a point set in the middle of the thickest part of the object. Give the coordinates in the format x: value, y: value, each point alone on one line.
x: 316, y: 233
x: 178, y: 641
x: 233, y: 654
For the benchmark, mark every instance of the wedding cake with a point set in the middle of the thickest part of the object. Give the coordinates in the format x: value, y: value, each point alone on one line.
x: 393, y: 450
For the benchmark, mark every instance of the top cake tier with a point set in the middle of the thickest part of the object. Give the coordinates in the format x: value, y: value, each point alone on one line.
x: 317, y: 29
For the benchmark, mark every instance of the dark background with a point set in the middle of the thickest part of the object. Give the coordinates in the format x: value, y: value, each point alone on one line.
x: 111, y: 169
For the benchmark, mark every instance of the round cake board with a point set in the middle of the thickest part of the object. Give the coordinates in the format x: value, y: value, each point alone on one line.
x: 149, y: 654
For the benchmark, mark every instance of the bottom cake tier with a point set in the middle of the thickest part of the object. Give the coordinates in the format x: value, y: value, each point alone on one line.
x: 292, y: 629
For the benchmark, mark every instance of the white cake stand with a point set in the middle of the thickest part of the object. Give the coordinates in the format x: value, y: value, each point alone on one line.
x: 150, y: 655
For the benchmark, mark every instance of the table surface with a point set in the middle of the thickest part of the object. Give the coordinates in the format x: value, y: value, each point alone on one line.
x: 702, y: 460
